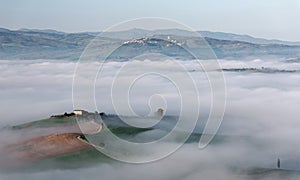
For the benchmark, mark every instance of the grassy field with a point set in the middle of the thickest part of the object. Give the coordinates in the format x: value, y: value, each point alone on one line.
x: 49, y: 122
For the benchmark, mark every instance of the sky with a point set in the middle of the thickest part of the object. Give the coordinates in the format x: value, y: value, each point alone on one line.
x: 271, y: 19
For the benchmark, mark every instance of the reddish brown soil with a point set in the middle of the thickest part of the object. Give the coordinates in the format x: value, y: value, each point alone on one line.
x: 48, y: 146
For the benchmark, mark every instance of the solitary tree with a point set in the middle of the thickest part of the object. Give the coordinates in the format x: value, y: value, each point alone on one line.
x: 159, y: 113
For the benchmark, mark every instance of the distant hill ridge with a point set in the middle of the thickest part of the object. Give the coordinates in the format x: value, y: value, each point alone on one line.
x: 52, y: 44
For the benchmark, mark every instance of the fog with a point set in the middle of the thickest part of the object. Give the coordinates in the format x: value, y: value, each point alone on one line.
x: 262, y: 109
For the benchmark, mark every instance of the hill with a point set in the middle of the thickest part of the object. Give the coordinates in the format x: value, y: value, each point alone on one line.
x: 51, y: 44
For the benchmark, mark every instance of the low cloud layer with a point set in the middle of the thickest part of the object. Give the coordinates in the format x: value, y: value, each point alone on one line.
x: 261, y: 106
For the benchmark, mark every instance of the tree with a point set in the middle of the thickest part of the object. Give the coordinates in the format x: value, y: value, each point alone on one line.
x: 278, y: 163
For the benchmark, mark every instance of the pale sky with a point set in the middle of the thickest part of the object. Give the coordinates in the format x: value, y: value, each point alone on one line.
x: 271, y: 19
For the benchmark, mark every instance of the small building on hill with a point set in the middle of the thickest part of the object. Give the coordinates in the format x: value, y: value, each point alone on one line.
x: 80, y: 112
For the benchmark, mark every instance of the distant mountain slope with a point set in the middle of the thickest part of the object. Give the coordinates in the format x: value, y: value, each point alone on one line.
x: 42, y: 30
x: 245, y: 38
x: 50, y: 44
x: 31, y: 44
x: 184, y: 45
x: 140, y: 33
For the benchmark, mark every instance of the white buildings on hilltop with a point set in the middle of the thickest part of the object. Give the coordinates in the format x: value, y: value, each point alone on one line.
x: 79, y: 112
